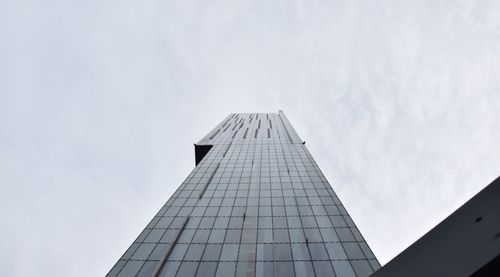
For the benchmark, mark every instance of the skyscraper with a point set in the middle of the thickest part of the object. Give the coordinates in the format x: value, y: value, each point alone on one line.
x: 256, y: 204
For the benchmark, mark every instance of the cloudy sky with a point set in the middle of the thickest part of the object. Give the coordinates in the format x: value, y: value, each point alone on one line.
x: 101, y: 100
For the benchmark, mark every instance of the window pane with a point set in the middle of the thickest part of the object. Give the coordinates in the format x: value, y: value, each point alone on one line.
x: 235, y: 222
x: 329, y: 234
x: 304, y: 269
x: 143, y: 251
x: 264, y: 252
x: 187, y: 269
x: 169, y: 236
x: 221, y: 222
x: 264, y: 269
x: 233, y: 236
x: 217, y: 236
x: 131, y: 268
x: 297, y: 235
x: 147, y: 269
x: 169, y: 269
x: 313, y: 235
x: 207, y: 223
x: 265, y: 222
x: 284, y: 269
x: 353, y: 251
x: 281, y: 235
x: 206, y: 269
x: 178, y: 252
x: 335, y: 251
x: 344, y: 234
x: 282, y: 252
x: 343, y: 268
x: 186, y: 236
x: 229, y: 252
x: 201, y: 236
x: 225, y: 269
x: 247, y: 252
x: 194, y: 252
x: 159, y: 251
x: 323, y: 268
x: 362, y: 268
x: 265, y: 235
x: 294, y: 222
x: 212, y: 252
x: 300, y: 252
x: 318, y: 251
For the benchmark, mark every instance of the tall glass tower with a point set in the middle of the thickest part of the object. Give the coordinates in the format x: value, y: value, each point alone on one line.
x: 256, y: 204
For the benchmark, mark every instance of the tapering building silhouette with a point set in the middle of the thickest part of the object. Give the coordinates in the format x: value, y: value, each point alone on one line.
x: 256, y: 204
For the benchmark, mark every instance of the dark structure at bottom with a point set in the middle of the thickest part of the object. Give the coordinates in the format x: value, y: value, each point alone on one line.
x: 466, y: 243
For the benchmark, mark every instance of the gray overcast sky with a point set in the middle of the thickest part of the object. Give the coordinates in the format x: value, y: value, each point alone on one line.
x: 101, y: 100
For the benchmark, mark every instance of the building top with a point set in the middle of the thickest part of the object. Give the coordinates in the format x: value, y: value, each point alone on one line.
x: 252, y: 128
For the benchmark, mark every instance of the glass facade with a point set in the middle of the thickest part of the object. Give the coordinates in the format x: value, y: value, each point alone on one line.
x: 255, y: 205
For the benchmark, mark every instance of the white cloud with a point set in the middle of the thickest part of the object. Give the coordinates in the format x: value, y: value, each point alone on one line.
x: 101, y: 100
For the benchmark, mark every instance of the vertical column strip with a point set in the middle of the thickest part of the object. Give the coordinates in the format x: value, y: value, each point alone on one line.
x: 286, y: 129
x: 161, y: 264
x: 208, y: 181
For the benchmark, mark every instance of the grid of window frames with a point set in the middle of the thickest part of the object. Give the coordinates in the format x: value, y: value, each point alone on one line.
x: 254, y: 206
